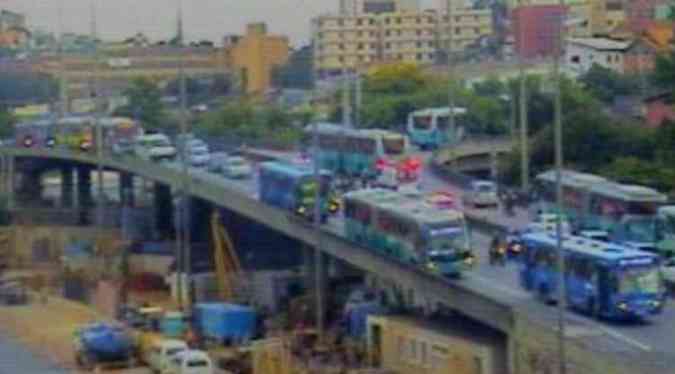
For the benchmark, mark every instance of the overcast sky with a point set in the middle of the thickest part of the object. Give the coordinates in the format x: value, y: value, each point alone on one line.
x: 203, y: 18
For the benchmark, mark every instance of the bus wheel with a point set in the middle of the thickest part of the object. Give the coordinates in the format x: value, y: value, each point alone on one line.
x: 542, y: 294
x: 593, y: 308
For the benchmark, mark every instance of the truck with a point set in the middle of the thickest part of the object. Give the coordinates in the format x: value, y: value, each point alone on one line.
x: 103, y: 344
x: 190, y: 362
x: 157, y: 352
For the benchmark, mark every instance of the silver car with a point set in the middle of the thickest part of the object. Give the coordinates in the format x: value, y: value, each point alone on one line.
x: 481, y: 194
x: 237, y: 167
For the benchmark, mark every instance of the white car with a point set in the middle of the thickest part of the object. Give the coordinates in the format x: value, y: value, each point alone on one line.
x: 198, y: 157
x: 547, y: 222
x: 388, y: 178
x: 159, y: 356
x: 237, y: 167
x: 190, y: 362
x: 154, y: 147
x: 481, y: 193
x: 216, y: 162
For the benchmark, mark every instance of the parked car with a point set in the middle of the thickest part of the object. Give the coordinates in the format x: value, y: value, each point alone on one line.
x: 547, y: 222
x: 388, y: 178
x: 159, y: 356
x: 481, y: 194
x: 198, y: 157
x: 237, y: 167
x: 154, y: 147
x: 668, y: 269
x: 190, y: 362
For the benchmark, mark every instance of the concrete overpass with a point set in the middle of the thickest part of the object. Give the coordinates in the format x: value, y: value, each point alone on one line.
x: 478, y: 298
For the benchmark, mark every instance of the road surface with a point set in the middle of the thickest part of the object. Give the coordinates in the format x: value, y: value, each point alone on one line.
x: 15, y: 359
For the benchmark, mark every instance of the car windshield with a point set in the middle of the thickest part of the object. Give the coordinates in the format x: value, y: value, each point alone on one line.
x: 485, y: 188
x: 173, y: 351
x: 200, y: 152
x: 197, y: 363
x: 236, y: 161
x: 639, y: 280
x: 158, y: 143
x: 640, y: 229
x: 666, y: 226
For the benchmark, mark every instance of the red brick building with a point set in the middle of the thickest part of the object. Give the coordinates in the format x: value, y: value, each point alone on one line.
x: 535, y: 29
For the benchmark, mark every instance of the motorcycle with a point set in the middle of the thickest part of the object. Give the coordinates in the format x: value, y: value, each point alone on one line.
x: 498, y: 254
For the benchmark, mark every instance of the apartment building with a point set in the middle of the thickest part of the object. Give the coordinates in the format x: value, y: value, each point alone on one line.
x: 352, y: 42
x: 360, y: 7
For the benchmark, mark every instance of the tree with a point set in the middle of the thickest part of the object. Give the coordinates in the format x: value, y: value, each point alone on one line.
x: 605, y: 84
x: 664, y: 71
x: 7, y: 122
x: 145, y: 104
x: 396, y: 78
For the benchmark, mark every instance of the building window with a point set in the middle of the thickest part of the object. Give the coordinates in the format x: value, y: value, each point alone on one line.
x: 446, y: 18
x: 458, y: 19
x: 359, y: 22
x: 475, y: 18
x: 399, y: 32
x: 359, y: 46
x: 371, y: 21
x: 609, y: 58
x: 320, y: 35
x: 420, y: 57
x: 430, y: 20
x: 341, y: 59
x: 419, y: 44
x: 431, y: 56
x: 341, y: 22
x: 386, y: 21
x: 398, y: 20
x: 373, y: 46
x: 400, y: 56
x: 419, y: 32
x: 340, y: 35
x: 430, y: 44
x: 418, y: 20
x: 341, y: 47
x: 387, y: 45
x: 372, y: 33
x: 359, y: 33
x: 458, y: 31
x: 476, y: 30
x: 387, y: 33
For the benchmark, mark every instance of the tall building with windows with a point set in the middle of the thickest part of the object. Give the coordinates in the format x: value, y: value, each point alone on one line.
x: 351, y: 42
x: 360, y: 7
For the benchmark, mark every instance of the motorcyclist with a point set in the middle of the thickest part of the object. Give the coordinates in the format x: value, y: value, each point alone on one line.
x: 497, y: 251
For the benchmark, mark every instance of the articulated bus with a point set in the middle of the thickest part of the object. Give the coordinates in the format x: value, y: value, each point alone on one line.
x: 628, y: 213
x: 429, y: 128
x: 409, y: 229
x: 602, y: 279
x: 75, y: 132
x: 361, y: 152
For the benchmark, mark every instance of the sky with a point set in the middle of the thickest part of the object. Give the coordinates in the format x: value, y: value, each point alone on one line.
x: 209, y: 19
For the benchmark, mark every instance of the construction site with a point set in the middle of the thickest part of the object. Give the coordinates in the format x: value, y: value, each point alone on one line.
x: 247, y: 318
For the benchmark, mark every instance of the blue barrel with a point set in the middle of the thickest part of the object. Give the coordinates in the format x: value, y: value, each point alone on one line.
x: 172, y: 325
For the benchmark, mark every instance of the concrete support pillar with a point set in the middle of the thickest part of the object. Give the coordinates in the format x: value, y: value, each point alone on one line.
x: 163, y: 207
x: 512, y: 349
x: 10, y: 183
x: 308, y: 266
x: 84, y: 196
x: 127, y: 193
x: 67, y: 187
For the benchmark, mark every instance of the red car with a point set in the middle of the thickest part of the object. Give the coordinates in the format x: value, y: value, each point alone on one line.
x: 442, y: 199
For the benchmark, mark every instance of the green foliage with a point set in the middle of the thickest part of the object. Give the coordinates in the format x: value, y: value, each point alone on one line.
x: 7, y: 122
x: 664, y: 71
x: 254, y: 122
x: 145, y: 104
x: 605, y: 84
x: 634, y: 170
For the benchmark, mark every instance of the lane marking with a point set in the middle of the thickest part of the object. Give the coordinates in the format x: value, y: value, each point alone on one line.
x: 626, y: 339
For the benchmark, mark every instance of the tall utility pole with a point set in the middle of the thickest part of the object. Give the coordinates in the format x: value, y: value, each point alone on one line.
x: 346, y: 99
x: 451, y: 77
x: 524, y: 152
x: 185, y: 201
x: 358, y: 98
x: 318, y: 257
x: 557, y: 112
x: 95, y: 94
x: 63, y: 83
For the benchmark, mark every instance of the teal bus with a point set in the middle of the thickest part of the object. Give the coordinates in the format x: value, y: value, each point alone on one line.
x: 628, y: 213
x: 361, y: 152
x: 604, y: 280
x: 429, y: 128
x: 409, y: 229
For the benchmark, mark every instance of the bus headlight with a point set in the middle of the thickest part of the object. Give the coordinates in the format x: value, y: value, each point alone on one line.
x: 655, y: 303
x: 333, y: 207
x: 469, y: 260
x: 28, y: 142
x: 51, y: 142
x: 301, y: 210
x: 623, y: 306
x: 516, y: 248
x: 85, y: 145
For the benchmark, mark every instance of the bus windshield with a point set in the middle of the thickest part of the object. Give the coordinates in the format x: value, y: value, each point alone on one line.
x: 447, y: 239
x: 422, y: 122
x: 642, y: 208
x: 640, y: 229
x: 393, y: 145
x: 639, y: 280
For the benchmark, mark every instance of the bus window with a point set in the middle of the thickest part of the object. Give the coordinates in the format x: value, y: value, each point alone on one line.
x: 642, y: 208
x: 393, y: 145
x: 422, y: 122
x: 442, y: 123
x: 366, y: 145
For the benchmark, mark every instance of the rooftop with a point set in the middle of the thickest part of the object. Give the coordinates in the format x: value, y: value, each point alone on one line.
x: 602, y: 44
x: 581, y: 245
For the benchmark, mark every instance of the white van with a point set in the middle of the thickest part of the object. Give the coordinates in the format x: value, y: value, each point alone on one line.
x: 190, y: 362
x: 162, y: 351
x: 154, y: 147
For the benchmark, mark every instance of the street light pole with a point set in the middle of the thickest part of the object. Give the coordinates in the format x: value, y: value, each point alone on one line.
x: 524, y: 152
x: 318, y: 258
x: 451, y: 78
x: 98, y: 138
x: 557, y: 105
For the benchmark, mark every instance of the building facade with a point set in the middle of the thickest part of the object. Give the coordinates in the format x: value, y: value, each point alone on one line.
x: 10, y: 20
x: 360, y: 7
x: 582, y: 53
x: 640, y: 13
x: 536, y: 29
x: 255, y: 55
x: 346, y: 42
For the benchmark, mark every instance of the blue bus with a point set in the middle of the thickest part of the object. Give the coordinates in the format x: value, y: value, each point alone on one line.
x: 429, y: 128
x: 408, y: 228
x: 603, y: 280
x: 293, y: 188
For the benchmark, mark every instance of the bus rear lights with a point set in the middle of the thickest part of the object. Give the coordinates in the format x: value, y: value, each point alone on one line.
x: 28, y: 142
